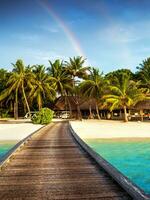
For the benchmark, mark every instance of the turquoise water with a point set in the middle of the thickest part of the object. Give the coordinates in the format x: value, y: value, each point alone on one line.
x: 5, y: 146
x: 131, y: 157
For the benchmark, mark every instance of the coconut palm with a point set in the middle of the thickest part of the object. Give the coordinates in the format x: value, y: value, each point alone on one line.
x: 4, y: 75
x: 42, y: 86
x: 75, y: 68
x: 62, y: 80
x: 17, y: 82
x: 123, y: 93
x: 92, y: 88
x: 118, y: 73
x: 144, y: 74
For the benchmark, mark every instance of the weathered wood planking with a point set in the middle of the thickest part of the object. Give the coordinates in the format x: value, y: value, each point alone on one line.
x: 53, y: 166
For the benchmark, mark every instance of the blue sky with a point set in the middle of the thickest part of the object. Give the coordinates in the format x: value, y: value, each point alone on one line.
x: 111, y: 34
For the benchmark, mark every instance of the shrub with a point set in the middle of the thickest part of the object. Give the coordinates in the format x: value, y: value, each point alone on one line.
x: 44, y: 116
x: 4, y: 113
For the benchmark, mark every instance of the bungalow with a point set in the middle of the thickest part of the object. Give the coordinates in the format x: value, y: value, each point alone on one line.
x: 70, y: 104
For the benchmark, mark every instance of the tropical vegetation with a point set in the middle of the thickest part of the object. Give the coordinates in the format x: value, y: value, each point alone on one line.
x: 30, y: 88
x: 44, y: 116
x: 123, y: 93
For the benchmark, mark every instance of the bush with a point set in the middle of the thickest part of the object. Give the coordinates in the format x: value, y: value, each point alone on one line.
x: 4, y: 113
x: 44, y: 116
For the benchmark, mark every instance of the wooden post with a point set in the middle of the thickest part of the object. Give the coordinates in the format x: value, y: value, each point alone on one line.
x: 141, y: 114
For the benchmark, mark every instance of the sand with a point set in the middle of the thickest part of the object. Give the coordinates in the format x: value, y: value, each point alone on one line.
x: 105, y: 129
x: 17, y: 131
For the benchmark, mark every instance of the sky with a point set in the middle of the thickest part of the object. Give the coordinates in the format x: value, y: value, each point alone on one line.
x: 110, y: 34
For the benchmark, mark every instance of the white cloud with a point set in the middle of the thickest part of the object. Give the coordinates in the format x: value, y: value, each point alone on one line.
x: 44, y: 56
x: 50, y: 28
x: 26, y: 37
x: 118, y: 34
x: 125, y: 33
x: 125, y: 44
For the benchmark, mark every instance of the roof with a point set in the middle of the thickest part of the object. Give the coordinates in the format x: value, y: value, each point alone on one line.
x: 143, y: 104
x: 62, y: 103
x: 85, y: 105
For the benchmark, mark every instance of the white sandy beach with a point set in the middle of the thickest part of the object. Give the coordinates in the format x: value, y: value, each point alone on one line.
x: 17, y: 131
x: 111, y: 129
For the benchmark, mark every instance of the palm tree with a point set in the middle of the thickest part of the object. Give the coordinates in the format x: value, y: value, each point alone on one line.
x: 17, y: 82
x: 62, y: 80
x: 123, y: 93
x: 4, y: 75
x: 76, y: 69
x: 144, y: 74
x: 118, y: 73
x: 42, y: 86
x: 92, y: 88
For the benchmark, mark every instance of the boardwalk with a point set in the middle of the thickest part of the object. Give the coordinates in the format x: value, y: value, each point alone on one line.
x: 53, y: 166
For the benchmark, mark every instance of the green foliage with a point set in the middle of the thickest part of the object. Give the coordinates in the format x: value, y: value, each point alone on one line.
x: 35, y: 86
x: 4, y: 113
x: 18, y: 79
x: 118, y: 74
x: 44, y: 116
x: 123, y: 92
x: 4, y: 75
x: 41, y: 87
x: 61, y: 79
x: 143, y: 73
x: 93, y: 86
x: 75, y: 67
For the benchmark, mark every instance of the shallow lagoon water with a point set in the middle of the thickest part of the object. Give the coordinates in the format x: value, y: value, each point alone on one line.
x: 130, y: 156
x: 5, y: 146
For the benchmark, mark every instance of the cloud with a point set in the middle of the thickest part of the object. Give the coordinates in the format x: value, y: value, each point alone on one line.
x: 26, y: 37
x: 44, y: 56
x: 125, y: 44
x: 119, y: 34
x: 125, y: 33
x: 49, y: 28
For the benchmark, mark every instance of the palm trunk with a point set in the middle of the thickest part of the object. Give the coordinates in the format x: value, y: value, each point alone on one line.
x: 16, y: 105
x: 11, y: 106
x: 24, y: 95
x: 39, y: 107
x: 70, y: 108
x: 125, y: 114
x: 90, y: 110
x: 65, y: 103
x: 73, y: 78
x: 141, y: 114
x: 79, y: 116
x: 120, y: 114
x: 24, y: 107
x: 97, y: 111
x: 39, y: 103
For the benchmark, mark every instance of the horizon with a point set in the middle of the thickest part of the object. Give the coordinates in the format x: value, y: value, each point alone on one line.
x: 111, y: 34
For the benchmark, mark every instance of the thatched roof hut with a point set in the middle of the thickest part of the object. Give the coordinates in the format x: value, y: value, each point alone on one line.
x: 143, y: 105
x: 62, y: 104
x: 86, y: 103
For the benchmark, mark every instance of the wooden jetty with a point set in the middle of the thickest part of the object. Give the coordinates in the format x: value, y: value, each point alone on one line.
x: 52, y: 165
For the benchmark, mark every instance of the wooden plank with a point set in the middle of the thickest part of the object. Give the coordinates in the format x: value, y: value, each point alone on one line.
x: 53, y: 166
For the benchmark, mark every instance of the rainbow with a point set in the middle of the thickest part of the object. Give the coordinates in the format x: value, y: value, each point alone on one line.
x: 70, y: 35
